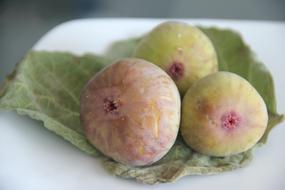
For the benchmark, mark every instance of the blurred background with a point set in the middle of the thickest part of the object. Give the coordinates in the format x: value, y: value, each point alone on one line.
x: 23, y: 22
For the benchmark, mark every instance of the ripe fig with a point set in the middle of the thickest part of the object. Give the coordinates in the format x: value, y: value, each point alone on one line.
x: 223, y: 114
x: 131, y: 112
x: 183, y: 51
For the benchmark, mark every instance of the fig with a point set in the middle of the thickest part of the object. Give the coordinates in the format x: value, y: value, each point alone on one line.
x: 222, y: 115
x: 130, y: 111
x: 182, y: 50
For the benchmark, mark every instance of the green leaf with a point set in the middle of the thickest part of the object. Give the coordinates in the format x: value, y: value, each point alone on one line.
x: 121, y: 49
x: 46, y: 86
x: 180, y: 161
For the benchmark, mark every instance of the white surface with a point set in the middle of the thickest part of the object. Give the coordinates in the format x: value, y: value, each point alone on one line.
x: 33, y: 158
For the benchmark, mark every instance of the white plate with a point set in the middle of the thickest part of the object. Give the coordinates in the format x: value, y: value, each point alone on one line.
x: 33, y: 158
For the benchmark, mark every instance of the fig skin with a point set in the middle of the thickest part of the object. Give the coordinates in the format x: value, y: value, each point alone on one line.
x: 130, y: 111
x: 222, y: 115
x: 183, y: 51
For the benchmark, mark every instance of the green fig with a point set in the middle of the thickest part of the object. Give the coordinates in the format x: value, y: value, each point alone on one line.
x: 183, y: 51
x: 223, y: 114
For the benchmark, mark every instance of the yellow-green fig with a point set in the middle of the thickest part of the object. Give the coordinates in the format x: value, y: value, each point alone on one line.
x: 130, y: 111
x: 182, y: 50
x: 223, y: 114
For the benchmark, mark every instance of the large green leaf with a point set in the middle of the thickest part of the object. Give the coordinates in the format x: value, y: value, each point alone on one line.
x: 122, y: 48
x: 180, y: 161
x: 46, y: 86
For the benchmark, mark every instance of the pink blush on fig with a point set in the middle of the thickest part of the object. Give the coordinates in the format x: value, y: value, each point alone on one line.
x: 230, y: 120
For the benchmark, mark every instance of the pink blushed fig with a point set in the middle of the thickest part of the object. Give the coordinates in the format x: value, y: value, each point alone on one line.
x: 183, y: 51
x: 130, y: 111
x: 223, y: 114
